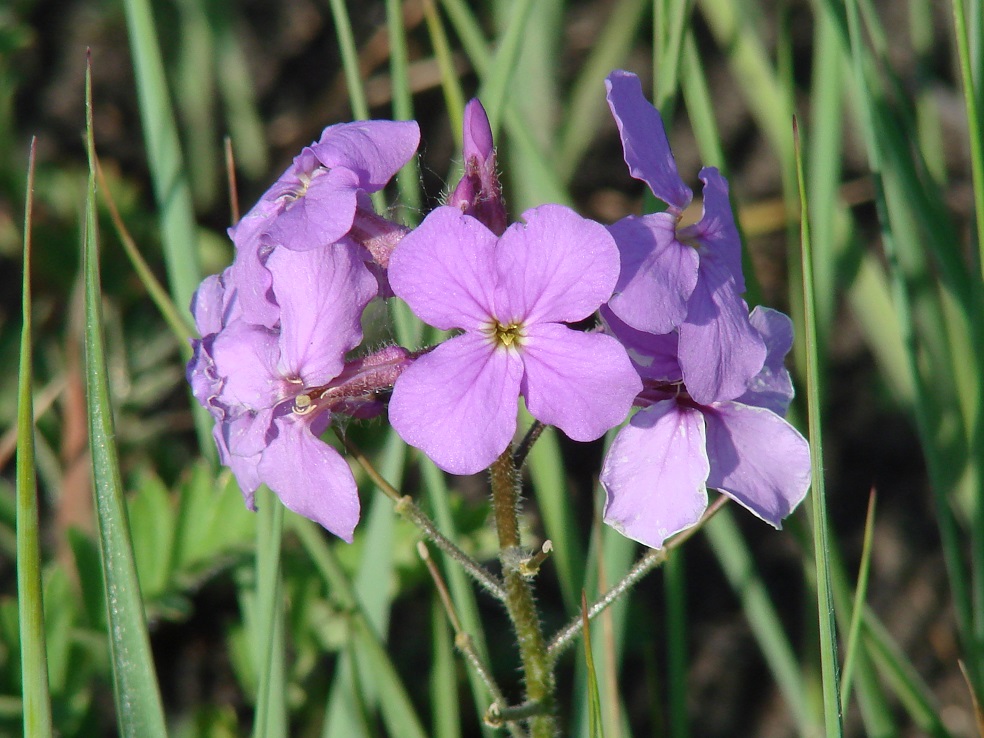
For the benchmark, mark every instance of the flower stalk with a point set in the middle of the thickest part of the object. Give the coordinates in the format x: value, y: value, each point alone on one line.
x: 537, y: 666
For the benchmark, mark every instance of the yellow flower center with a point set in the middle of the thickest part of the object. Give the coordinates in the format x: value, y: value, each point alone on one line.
x: 506, y: 335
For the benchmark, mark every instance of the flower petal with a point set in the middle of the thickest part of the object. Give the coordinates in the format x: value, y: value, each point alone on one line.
x: 556, y: 267
x: 374, y: 149
x: 654, y: 356
x: 772, y: 387
x: 647, y: 150
x: 251, y: 277
x: 757, y: 459
x: 458, y: 403
x: 716, y: 231
x: 477, y: 138
x: 444, y: 271
x: 658, y: 273
x: 320, y: 215
x: 720, y: 351
x: 310, y: 477
x: 214, y: 303
x: 654, y: 474
x: 322, y: 294
x: 583, y: 383
x: 246, y: 358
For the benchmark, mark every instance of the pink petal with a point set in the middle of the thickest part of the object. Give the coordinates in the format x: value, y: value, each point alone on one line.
x: 444, y: 270
x: 583, y: 383
x: 757, y: 459
x: 246, y: 358
x: 319, y: 216
x: 558, y: 267
x: 654, y: 474
x: 716, y: 231
x: 772, y: 387
x: 310, y: 477
x: 458, y: 403
x: 720, y: 351
x: 654, y: 356
x: 322, y: 293
x: 658, y: 273
x: 372, y: 149
x: 647, y: 150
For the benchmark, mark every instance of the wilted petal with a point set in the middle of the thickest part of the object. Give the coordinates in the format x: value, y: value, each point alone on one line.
x: 658, y: 273
x: 373, y: 149
x: 757, y: 458
x: 252, y: 280
x: 647, y: 150
x: 583, y: 383
x: 444, y: 270
x: 206, y: 384
x: 458, y: 403
x: 653, y: 355
x: 556, y: 267
x: 654, y: 474
x: 310, y: 477
x: 772, y: 387
x: 322, y: 294
x: 209, y: 304
x: 720, y: 351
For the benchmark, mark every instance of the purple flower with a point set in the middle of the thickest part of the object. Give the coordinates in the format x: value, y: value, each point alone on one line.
x: 659, y: 467
x: 318, y: 201
x: 479, y: 193
x: 687, y: 278
x: 511, y: 295
x: 272, y: 390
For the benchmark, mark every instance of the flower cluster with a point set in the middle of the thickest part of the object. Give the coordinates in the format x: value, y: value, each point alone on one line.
x: 715, y: 388
x: 280, y: 352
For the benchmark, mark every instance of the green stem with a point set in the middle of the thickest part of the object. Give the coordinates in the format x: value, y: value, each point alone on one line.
x: 537, y: 667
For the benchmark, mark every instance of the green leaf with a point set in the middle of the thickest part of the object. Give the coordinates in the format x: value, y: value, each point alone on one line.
x: 172, y: 191
x: 138, y: 700
x: 397, y: 709
x: 34, y: 657
x: 833, y: 713
x: 268, y: 619
x: 596, y: 727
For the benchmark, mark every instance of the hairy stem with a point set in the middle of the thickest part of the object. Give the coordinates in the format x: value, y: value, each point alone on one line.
x: 537, y: 665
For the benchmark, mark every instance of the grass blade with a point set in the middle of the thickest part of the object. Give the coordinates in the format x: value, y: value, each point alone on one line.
x: 30, y: 605
x: 860, y: 593
x: 596, y: 728
x: 735, y: 559
x: 833, y: 717
x: 271, y: 708
x: 138, y: 700
x: 547, y: 472
x: 920, y: 325
x: 443, y: 678
x: 675, y: 585
x: 171, y: 187
x: 586, y: 109
x: 496, y: 78
x: 398, y: 712
x: 172, y: 190
x: 408, y: 180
